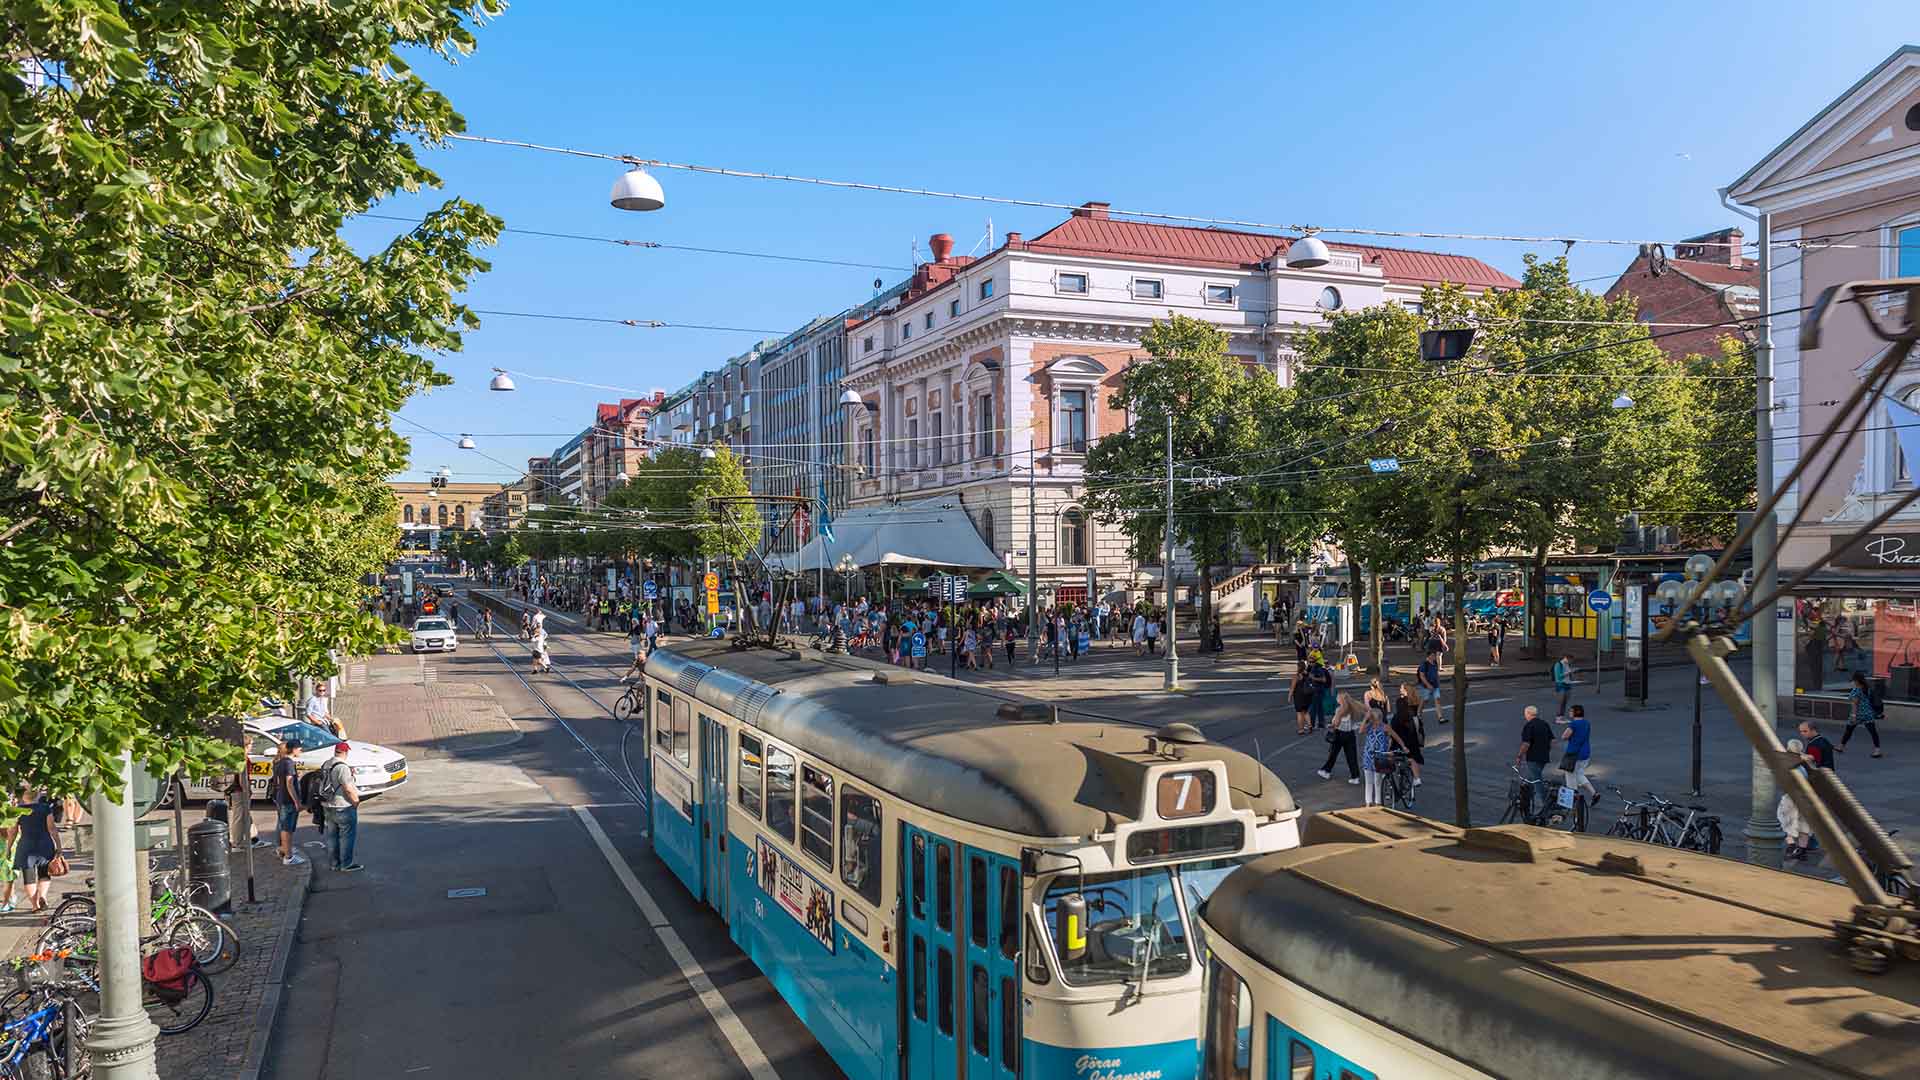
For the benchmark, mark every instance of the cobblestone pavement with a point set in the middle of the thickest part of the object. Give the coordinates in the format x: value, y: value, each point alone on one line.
x: 407, y: 707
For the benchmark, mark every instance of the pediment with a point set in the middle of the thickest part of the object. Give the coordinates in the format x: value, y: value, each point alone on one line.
x: 1863, y: 126
x: 1085, y: 367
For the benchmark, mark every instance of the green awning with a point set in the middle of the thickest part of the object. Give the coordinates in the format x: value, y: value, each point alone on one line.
x: 914, y: 585
x: 998, y: 583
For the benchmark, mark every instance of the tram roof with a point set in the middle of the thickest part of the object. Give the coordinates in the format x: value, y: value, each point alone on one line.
x: 1516, y: 950
x: 941, y: 743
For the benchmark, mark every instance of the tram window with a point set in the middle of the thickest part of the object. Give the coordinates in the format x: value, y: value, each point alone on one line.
x: 780, y: 792
x: 1133, y: 917
x: 919, y: 977
x: 1228, y: 1054
x: 982, y: 1013
x: 977, y: 900
x: 1302, y: 1060
x: 663, y: 721
x: 750, y: 774
x: 816, y: 815
x: 682, y: 736
x: 919, y: 876
x: 943, y: 972
x: 943, y: 886
x: 1037, y: 972
x: 860, y: 843
x: 1009, y: 913
x: 1009, y: 1026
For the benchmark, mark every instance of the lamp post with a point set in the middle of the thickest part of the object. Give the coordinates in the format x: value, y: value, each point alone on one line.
x: 1687, y: 597
x: 1172, y: 679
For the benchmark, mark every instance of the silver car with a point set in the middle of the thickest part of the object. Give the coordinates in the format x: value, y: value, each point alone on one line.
x: 432, y: 633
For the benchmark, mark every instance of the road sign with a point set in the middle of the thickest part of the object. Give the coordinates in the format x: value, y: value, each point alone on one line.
x: 1599, y: 599
x: 711, y: 581
x: 1384, y: 464
x: 713, y: 595
x: 951, y: 588
x: 650, y: 589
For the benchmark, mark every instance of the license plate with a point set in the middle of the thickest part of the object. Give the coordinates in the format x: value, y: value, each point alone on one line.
x: 397, y: 777
x: 1566, y: 798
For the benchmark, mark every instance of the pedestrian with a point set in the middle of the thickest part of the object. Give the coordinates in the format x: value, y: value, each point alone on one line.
x: 1376, y: 696
x: 650, y: 629
x: 1300, y: 646
x: 1496, y: 637
x: 1347, y: 720
x: 1324, y: 703
x: 1820, y: 749
x: 342, y: 802
x: 1153, y: 633
x: 36, y: 852
x: 1536, y: 745
x: 969, y: 642
x: 635, y: 635
x: 1406, y: 724
x: 486, y: 624
x: 1139, y: 633
x: 1376, y: 741
x: 1867, y: 708
x: 1579, y: 753
x: 1303, y: 693
x: 542, y: 659
x: 284, y: 783
x: 1010, y: 639
x: 318, y: 708
x: 1428, y: 678
x: 1792, y: 822
x: 1562, y: 685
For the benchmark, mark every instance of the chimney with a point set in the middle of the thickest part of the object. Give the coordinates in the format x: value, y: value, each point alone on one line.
x: 942, y: 247
x: 1734, y: 239
x: 1013, y: 240
x: 1092, y: 210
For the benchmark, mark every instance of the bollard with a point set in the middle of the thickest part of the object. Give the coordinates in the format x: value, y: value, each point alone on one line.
x: 207, y: 855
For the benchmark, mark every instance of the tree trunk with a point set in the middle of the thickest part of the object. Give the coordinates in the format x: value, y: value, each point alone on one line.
x: 1537, y: 606
x: 1356, y: 596
x: 1379, y: 633
x: 1460, y: 816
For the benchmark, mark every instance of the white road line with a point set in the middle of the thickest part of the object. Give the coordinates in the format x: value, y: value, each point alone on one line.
x: 744, y: 1046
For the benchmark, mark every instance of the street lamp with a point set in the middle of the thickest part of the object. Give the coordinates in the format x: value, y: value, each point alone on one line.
x: 466, y: 441
x: 620, y: 477
x: 1725, y: 595
x: 637, y: 190
x: 501, y: 380
x: 1307, y: 253
x: 1623, y: 401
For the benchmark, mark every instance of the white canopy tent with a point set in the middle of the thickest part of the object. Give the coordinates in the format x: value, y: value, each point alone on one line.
x: 934, y: 533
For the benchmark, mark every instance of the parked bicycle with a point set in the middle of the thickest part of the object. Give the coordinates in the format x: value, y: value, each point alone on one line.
x: 175, y: 921
x: 42, y: 1022
x: 1655, y: 820
x: 1547, y: 802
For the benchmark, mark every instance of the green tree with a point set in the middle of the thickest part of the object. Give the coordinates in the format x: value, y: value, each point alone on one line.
x: 726, y: 529
x: 1216, y: 405
x: 196, y: 372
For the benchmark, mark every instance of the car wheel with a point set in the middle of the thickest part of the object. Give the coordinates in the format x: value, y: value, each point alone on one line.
x: 176, y: 796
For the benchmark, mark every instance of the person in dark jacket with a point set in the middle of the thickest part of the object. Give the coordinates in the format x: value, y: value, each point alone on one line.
x: 39, y: 844
x: 1406, y: 724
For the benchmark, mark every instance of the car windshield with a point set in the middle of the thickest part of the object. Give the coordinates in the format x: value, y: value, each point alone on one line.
x: 1133, y: 923
x: 305, y: 736
x: 430, y: 624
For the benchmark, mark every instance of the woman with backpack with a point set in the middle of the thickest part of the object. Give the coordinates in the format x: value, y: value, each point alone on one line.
x: 1868, y: 707
x: 1303, y: 693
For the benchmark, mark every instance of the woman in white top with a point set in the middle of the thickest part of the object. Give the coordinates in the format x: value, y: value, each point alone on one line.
x: 1799, y: 833
x: 1139, y: 633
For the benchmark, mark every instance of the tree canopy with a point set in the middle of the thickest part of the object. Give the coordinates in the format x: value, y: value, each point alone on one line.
x: 196, y: 371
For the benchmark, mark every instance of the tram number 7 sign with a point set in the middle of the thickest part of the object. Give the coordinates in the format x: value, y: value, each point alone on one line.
x: 1184, y: 794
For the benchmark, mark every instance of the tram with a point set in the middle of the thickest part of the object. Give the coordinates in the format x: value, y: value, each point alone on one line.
x: 1390, y: 946
x: 945, y: 881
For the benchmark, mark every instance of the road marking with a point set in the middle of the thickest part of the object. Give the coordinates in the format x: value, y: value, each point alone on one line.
x: 744, y: 1046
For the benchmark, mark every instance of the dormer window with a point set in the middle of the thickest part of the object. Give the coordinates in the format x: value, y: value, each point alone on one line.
x: 986, y: 289
x: 906, y: 330
x: 1071, y: 283
x: 1219, y: 294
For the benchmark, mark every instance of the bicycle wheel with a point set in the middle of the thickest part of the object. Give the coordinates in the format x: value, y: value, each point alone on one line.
x: 623, y: 709
x: 212, y: 943
x: 77, y: 904
x: 173, y: 1014
x: 1710, y: 838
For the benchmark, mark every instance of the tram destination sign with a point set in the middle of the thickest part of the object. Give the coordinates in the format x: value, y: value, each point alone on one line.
x: 1878, y: 551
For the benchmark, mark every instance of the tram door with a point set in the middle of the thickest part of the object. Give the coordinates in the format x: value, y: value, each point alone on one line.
x: 714, y: 879
x: 931, y: 954
x: 992, y: 977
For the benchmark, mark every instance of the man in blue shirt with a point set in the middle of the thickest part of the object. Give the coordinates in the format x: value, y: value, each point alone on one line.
x: 1429, y: 679
x: 1579, y: 736
x: 1562, y: 685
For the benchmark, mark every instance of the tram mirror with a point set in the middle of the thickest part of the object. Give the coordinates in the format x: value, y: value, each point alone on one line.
x: 1070, y: 926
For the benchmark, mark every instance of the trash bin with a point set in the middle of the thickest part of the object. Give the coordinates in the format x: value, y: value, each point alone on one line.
x: 217, y: 810
x: 207, y: 857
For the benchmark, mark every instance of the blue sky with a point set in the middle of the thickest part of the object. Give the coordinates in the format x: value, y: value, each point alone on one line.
x: 1609, y: 121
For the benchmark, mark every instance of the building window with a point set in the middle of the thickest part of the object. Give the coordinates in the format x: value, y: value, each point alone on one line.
x: 1073, y: 537
x: 983, y: 425
x: 1219, y: 294
x: 953, y: 308
x: 460, y: 517
x: 929, y: 320
x: 866, y: 450
x: 935, y: 423
x: 1907, y: 252
x: 1073, y: 421
x: 913, y: 442
x: 1330, y: 299
x: 986, y: 527
x: 443, y: 514
x: 746, y: 404
x: 866, y: 344
x: 1147, y: 288
x: 406, y: 513
x: 906, y: 330
x: 986, y: 289
x: 1071, y: 283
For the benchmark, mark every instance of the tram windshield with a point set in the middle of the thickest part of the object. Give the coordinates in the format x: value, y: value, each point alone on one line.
x: 1135, y: 921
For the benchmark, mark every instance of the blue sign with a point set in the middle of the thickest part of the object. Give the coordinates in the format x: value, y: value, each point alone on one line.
x: 1384, y: 464
x: 919, y: 646
x: 1599, y: 600
x: 650, y: 589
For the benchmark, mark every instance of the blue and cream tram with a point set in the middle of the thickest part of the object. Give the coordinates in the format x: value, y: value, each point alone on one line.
x: 945, y: 881
x: 1390, y: 947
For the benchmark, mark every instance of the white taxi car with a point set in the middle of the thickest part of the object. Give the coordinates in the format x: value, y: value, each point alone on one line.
x: 433, y: 633
x: 375, y: 768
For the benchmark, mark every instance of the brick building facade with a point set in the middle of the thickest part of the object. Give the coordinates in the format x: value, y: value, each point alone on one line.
x: 1704, y: 279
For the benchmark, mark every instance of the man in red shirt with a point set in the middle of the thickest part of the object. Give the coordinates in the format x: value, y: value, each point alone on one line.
x: 1819, y: 748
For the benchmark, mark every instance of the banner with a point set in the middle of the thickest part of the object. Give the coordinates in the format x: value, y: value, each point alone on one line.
x: 800, y: 893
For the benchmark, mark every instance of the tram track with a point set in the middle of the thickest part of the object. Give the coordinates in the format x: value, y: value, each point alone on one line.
x: 625, y: 780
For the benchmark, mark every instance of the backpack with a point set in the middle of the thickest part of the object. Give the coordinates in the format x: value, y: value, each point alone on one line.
x: 170, y: 973
x: 1876, y: 698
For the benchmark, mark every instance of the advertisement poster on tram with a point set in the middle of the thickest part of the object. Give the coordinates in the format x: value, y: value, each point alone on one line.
x: 808, y: 901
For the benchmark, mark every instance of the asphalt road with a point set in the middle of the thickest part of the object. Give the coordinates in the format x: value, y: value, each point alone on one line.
x: 558, y: 969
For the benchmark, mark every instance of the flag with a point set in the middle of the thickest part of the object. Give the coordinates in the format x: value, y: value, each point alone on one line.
x: 1906, y: 428
x: 826, y: 522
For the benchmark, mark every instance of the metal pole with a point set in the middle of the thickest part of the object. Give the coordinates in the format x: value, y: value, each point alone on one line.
x: 1763, y: 827
x: 1172, y: 681
x: 1033, y: 563
x: 121, y: 1040
x: 1696, y: 738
